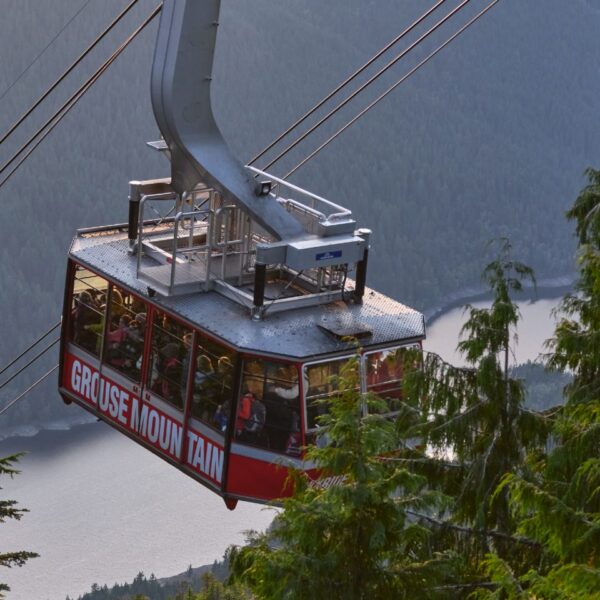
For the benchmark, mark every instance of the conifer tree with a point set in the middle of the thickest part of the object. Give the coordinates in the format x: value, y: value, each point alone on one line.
x: 9, y: 510
x: 351, y: 534
x: 477, y: 414
x: 560, y: 505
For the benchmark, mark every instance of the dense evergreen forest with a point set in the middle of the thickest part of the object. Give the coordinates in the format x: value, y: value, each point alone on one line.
x: 489, y: 139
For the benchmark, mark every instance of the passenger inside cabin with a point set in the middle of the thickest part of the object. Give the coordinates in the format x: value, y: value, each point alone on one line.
x: 124, y: 344
x: 288, y: 387
x: 134, y: 343
x: 86, y: 318
x: 221, y: 416
x: 293, y: 445
x: 212, y: 383
x: 274, y: 393
x: 282, y: 399
x: 250, y: 420
x: 187, y: 356
x: 86, y: 326
x: 138, y: 306
x: 117, y: 308
x: 169, y: 359
x: 203, y: 378
x: 168, y: 383
x: 384, y: 376
x: 204, y: 371
x: 221, y: 382
x: 115, y: 341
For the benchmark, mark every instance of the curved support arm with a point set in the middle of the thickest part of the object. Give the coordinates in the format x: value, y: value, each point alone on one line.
x: 180, y: 89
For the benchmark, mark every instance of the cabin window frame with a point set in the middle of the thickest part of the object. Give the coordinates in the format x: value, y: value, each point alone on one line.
x: 365, y: 372
x: 145, y: 342
x: 310, y: 432
x: 244, y: 359
x: 147, y: 372
x: 76, y: 267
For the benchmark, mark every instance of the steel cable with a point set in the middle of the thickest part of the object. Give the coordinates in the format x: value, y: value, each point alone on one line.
x: 367, y: 83
x: 38, y: 355
x: 391, y: 89
x: 72, y: 101
x: 39, y: 54
x: 348, y: 80
x: 30, y: 347
x: 24, y: 393
x: 66, y: 73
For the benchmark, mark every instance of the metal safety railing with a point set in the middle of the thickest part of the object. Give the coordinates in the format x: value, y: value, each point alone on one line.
x: 191, y: 246
x: 308, y: 207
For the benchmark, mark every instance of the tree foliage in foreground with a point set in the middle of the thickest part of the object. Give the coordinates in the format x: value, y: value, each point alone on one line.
x: 477, y: 415
x: 10, y: 510
x: 414, y: 504
x: 354, y: 535
x: 457, y: 497
x: 559, y: 505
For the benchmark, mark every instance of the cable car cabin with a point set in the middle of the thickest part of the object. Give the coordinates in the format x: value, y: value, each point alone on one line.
x: 158, y: 340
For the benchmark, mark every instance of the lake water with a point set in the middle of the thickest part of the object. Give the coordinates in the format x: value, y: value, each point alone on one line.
x: 103, y: 508
x: 536, y: 326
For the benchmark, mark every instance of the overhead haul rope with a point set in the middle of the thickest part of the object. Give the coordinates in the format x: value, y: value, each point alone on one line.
x: 391, y: 89
x: 367, y: 83
x: 38, y: 355
x: 30, y: 347
x: 24, y: 393
x: 348, y: 80
x: 39, y: 54
x: 71, y: 102
x: 64, y: 75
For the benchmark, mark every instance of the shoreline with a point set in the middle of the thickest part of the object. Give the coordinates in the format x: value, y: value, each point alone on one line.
x: 546, y: 289
x: 31, y: 430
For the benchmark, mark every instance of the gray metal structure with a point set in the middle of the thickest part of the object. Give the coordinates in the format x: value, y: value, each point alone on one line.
x: 300, y: 334
x: 245, y: 213
x: 180, y: 91
x: 203, y: 245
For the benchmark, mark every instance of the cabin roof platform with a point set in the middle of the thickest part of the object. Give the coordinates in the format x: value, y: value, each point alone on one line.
x: 296, y: 333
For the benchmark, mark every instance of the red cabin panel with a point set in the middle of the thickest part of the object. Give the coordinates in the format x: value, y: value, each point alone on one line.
x: 257, y: 479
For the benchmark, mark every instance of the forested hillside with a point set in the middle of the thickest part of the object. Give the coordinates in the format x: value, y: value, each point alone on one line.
x: 489, y: 139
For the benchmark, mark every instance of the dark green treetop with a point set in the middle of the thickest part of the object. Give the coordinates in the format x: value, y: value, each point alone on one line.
x: 476, y: 415
x: 559, y: 504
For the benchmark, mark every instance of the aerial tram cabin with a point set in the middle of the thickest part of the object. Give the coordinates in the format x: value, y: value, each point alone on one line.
x: 176, y: 372
x: 211, y: 325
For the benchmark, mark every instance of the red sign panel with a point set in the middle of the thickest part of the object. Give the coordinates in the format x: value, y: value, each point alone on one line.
x: 147, y: 422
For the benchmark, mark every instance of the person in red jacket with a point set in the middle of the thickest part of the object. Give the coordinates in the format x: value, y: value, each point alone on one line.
x: 244, y: 412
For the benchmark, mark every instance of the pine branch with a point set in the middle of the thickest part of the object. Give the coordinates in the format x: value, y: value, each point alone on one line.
x: 488, y: 585
x: 476, y: 532
x: 8, y: 510
x: 16, y: 559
